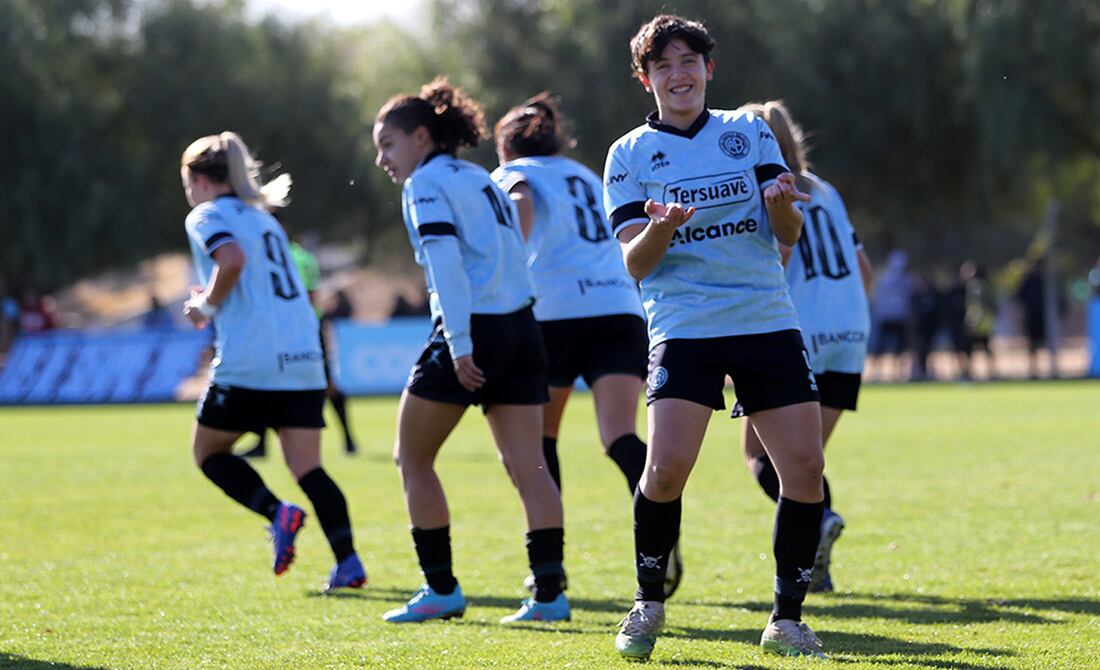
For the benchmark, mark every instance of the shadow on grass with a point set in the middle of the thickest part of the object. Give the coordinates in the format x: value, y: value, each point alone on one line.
x: 14, y: 662
x: 936, y: 610
x: 857, y: 647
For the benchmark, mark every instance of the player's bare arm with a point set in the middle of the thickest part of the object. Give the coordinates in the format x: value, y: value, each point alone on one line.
x: 645, y: 245
x: 780, y: 199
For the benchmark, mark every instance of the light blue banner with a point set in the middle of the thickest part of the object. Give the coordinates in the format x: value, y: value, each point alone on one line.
x: 75, y: 367
x: 1094, y: 336
x: 375, y: 359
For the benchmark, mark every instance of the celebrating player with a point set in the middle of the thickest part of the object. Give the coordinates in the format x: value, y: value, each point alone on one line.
x: 588, y: 306
x: 486, y: 347
x: 267, y: 368
x: 829, y: 276
x: 698, y: 198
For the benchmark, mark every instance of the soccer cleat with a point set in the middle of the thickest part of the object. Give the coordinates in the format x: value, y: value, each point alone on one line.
x: 427, y: 604
x: 638, y: 629
x: 288, y: 521
x: 348, y: 573
x: 787, y: 637
x: 532, y: 610
x: 675, y: 571
x: 529, y: 583
x: 832, y: 525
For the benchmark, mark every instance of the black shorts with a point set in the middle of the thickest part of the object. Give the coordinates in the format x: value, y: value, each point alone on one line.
x: 769, y: 370
x: 237, y: 409
x: 508, y: 349
x: 839, y: 390
x: 595, y: 346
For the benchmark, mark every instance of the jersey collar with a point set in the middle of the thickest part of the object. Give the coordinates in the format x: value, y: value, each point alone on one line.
x: 432, y: 156
x: 692, y: 130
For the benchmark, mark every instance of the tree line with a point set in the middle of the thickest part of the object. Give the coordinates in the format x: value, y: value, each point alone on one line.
x: 948, y: 125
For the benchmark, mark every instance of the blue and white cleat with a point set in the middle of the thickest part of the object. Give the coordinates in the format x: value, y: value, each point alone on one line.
x: 427, y: 604
x: 289, y: 519
x: 347, y: 574
x: 832, y: 525
x: 532, y: 610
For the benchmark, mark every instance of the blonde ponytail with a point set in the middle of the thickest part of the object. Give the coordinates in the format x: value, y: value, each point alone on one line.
x: 225, y: 159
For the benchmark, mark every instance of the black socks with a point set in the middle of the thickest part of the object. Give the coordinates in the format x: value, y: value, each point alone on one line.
x: 340, y: 404
x: 545, y: 551
x: 550, y: 452
x: 768, y: 479
x: 433, y: 549
x: 241, y: 482
x: 628, y: 452
x: 331, y: 509
x: 656, y: 530
x: 797, y: 531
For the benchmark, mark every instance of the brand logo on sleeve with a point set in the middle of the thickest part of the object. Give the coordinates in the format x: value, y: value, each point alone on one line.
x: 734, y: 144
x: 659, y: 160
x: 716, y: 190
x: 616, y: 178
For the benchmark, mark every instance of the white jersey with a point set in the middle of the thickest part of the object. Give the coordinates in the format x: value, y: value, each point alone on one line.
x: 465, y: 234
x: 826, y: 284
x: 266, y: 335
x: 576, y: 265
x: 722, y: 274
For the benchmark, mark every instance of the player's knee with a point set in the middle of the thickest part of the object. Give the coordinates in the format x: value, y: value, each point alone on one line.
x: 668, y: 476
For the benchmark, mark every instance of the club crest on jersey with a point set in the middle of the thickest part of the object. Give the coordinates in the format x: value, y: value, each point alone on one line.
x: 659, y: 160
x: 734, y: 144
x: 717, y: 190
x: 657, y: 378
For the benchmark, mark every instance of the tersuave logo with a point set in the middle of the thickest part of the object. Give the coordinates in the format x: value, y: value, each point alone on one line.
x: 715, y: 190
x: 688, y: 234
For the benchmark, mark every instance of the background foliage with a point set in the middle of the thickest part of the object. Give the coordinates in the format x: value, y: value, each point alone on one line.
x: 947, y: 124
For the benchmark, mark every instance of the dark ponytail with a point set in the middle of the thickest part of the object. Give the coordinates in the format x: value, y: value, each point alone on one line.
x: 535, y: 128
x: 453, y: 120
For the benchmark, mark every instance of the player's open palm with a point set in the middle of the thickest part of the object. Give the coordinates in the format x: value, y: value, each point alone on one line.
x: 672, y: 215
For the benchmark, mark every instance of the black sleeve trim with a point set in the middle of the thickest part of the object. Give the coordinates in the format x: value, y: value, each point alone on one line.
x: 628, y: 212
x: 216, y: 240
x: 438, y: 228
x: 766, y: 173
x: 855, y: 239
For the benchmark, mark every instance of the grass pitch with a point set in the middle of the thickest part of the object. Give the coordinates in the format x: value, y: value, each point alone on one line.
x: 973, y: 543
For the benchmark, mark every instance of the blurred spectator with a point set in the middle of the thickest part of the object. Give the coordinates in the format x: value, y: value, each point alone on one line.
x: 341, y: 308
x: 9, y: 320
x: 158, y: 317
x: 1094, y: 279
x: 1031, y: 300
x: 927, y: 312
x: 38, y: 315
x: 953, y: 319
x: 979, y: 317
x: 891, y: 308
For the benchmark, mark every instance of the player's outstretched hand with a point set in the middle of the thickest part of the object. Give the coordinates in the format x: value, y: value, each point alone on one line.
x: 784, y: 191
x: 469, y: 374
x: 191, y: 308
x: 672, y: 215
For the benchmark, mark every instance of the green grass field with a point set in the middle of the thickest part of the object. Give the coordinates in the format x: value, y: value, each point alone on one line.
x: 973, y: 543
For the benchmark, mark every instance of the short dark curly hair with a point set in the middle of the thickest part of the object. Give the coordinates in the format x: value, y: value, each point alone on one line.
x: 652, y: 38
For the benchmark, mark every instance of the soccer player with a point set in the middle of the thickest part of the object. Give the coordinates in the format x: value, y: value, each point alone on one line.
x: 267, y: 368
x: 829, y: 276
x: 698, y: 199
x: 486, y: 348
x: 588, y: 306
